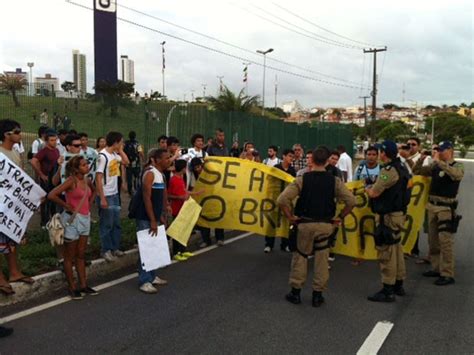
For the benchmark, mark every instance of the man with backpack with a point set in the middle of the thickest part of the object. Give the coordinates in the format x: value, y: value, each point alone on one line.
x: 134, y: 152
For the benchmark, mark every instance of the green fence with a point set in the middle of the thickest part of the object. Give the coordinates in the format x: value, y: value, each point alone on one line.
x: 149, y: 120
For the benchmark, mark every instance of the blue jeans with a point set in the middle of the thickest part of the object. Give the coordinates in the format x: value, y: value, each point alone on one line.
x: 144, y: 276
x: 110, y: 230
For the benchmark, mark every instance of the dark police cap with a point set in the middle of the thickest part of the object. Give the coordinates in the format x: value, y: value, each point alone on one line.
x: 445, y: 145
x: 389, y: 147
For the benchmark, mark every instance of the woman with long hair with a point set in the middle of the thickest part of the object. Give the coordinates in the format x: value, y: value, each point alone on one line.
x: 80, y: 193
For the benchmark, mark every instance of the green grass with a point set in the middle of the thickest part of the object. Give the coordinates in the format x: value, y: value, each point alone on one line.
x: 38, y: 256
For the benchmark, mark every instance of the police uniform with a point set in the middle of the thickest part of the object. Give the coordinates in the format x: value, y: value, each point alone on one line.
x: 390, y: 209
x: 316, y: 206
x: 446, y: 177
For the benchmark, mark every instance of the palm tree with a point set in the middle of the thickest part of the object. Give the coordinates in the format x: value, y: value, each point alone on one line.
x: 12, y: 84
x: 227, y: 101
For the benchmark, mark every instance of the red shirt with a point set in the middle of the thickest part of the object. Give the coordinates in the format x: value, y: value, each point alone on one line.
x: 48, y: 159
x: 176, y: 187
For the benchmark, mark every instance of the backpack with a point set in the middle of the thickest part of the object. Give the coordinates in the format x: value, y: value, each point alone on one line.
x: 131, y: 150
x: 29, y: 155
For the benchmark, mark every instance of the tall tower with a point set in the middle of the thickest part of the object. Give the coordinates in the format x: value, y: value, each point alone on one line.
x: 79, y: 70
x: 127, y: 72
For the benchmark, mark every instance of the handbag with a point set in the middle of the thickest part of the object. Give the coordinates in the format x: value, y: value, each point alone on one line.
x: 55, y: 226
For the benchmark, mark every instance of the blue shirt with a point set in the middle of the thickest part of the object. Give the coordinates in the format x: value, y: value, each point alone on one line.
x: 363, y: 172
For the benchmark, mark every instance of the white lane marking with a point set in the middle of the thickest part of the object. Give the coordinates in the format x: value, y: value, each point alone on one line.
x: 62, y: 300
x: 376, y: 338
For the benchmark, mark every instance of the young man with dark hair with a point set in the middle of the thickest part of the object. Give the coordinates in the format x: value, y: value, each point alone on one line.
x: 10, y: 133
x: 368, y: 169
x: 90, y: 154
x: 62, y: 134
x: 272, y: 158
x: 285, y: 165
x: 45, y: 165
x: 38, y: 143
x: 197, y: 141
x: 344, y: 164
x: 162, y: 142
x: 332, y: 164
x: 309, y: 164
x: 134, y: 152
x: 111, y: 165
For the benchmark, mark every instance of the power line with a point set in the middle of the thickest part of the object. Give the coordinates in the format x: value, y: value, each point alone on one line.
x: 222, y: 52
x: 298, y: 32
x: 232, y: 45
x: 316, y: 36
x: 320, y: 27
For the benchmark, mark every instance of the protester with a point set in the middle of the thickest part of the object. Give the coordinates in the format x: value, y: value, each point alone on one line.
x: 218, y: 149
x: 209, y: 143
x: 446, y: 175
x: 44, y: 119
x: 90, y: 154
x: 100, y: 144
x: 369, y: 169
x: 175, y: 153
x: 61, y: 145
x: 112, y: 160
x: 300, y: 161
x: 10, y: 133
x: 197, y: 140
x: 79, y: 195
x: 20, y: 149
x: 134, y: 152
x: 344, y: 164
x: 332, y: 164
x: 250, y: 153
x: 309, y: 164
x: 235, y: 151
x: 66, y: 122
x: 163, y: 142
x: 272, y: 158
x: 38, y: 143
x: 73, y: 148
x: 285, y: 165
x: 45, y: 164
x: 149, y: 214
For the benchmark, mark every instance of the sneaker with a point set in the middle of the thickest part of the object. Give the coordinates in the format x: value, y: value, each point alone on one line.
x: 159, y: 282
x: 75, y: 295
x: 148, y: 288
x: 332, y: 258
x: 444, y: 280
x: 267, y: 250
x: 187, y: 254
x: 180, y: 257
x: 89, y: 291
x: 118, y: 253
x: 4, y: 332
x: 108, y: 256
x: 203, y: 245
x: 220, y: 243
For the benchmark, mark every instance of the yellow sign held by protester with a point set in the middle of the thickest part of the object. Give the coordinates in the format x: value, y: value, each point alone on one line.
x: 182, y: 227
x: 241, y: 195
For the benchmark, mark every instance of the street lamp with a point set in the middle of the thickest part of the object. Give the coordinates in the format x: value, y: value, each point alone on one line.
x: 264, y: 53
x: 30, y: 86
x: 163, y: 65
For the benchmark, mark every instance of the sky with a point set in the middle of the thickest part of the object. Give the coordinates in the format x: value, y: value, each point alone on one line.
x: 429, y: 57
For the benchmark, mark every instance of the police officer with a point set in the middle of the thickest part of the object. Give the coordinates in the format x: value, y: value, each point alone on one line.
x: 446, y: 175
x: 389, y: 199
x: 314, y: 214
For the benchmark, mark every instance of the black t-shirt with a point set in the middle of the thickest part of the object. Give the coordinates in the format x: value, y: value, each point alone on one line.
x: 291, y: 170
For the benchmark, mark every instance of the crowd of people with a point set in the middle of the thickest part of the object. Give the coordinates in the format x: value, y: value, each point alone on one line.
x: 76, y: 177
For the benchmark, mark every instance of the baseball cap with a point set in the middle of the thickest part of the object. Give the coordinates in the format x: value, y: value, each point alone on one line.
x: 445, y: 145
x: 389, y: 147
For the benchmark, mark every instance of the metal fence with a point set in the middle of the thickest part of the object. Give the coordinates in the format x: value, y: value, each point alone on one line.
x: 154, y: 118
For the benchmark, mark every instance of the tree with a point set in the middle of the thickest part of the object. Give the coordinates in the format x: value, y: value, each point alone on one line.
x: 68, y: 86
x: 227, y: 101
x: 391, y: 107
x: 114, y: 96
x: 395, y: 131
x: 449, y: 126
x: 12, y: 84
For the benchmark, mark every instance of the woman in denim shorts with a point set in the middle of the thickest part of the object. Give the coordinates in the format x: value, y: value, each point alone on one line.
x: 79, y: 192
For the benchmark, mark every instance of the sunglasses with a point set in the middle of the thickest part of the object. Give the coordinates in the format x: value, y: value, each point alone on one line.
x: 76, y: 145
x: 15, y: 131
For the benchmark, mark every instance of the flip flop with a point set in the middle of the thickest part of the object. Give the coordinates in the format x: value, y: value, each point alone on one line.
x: 25, y: 279
x: 7, y: 290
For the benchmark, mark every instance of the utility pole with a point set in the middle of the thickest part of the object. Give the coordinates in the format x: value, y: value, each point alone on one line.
x: 221, y: 84
x: 163, y: 66
x: 276, y: 91
x: 192, y: 95
x: 204, y: 90
x: 246, y: 77
x: 264, y: 53
x: 31, y: 88
x: 365, y: 108
x: 374, y: 89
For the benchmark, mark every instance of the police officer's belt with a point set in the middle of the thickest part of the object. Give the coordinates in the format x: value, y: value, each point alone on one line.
x: 444, y: 204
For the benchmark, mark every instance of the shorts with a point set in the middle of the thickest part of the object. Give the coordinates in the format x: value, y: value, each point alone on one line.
x: 6, y: 244
x: 81, y: 225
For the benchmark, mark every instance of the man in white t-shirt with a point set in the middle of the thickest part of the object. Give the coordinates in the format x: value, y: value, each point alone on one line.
x: 197, y: 140
x: 344, y: 164
x: 272, y: 159
x: 111, y: 164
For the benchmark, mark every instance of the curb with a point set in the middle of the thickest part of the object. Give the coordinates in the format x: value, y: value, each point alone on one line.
x: 55, y: 280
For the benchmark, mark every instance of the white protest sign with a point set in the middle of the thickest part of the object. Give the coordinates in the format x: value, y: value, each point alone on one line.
x: 20, y: 197
x: 154, y: 250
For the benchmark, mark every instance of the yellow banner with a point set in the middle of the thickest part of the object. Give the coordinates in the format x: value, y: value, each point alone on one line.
x: 241, y: 195
x: 182, y: 227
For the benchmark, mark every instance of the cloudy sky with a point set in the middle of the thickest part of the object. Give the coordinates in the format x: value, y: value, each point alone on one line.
x: 430, y: 46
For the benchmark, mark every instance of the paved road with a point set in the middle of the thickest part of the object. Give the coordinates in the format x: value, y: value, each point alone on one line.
x: 231, y: 300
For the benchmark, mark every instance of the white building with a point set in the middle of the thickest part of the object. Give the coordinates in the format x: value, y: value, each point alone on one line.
x: 79, y: 70
x: 127, y: 73
x: 46, y: 85
x: 291, y: 106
